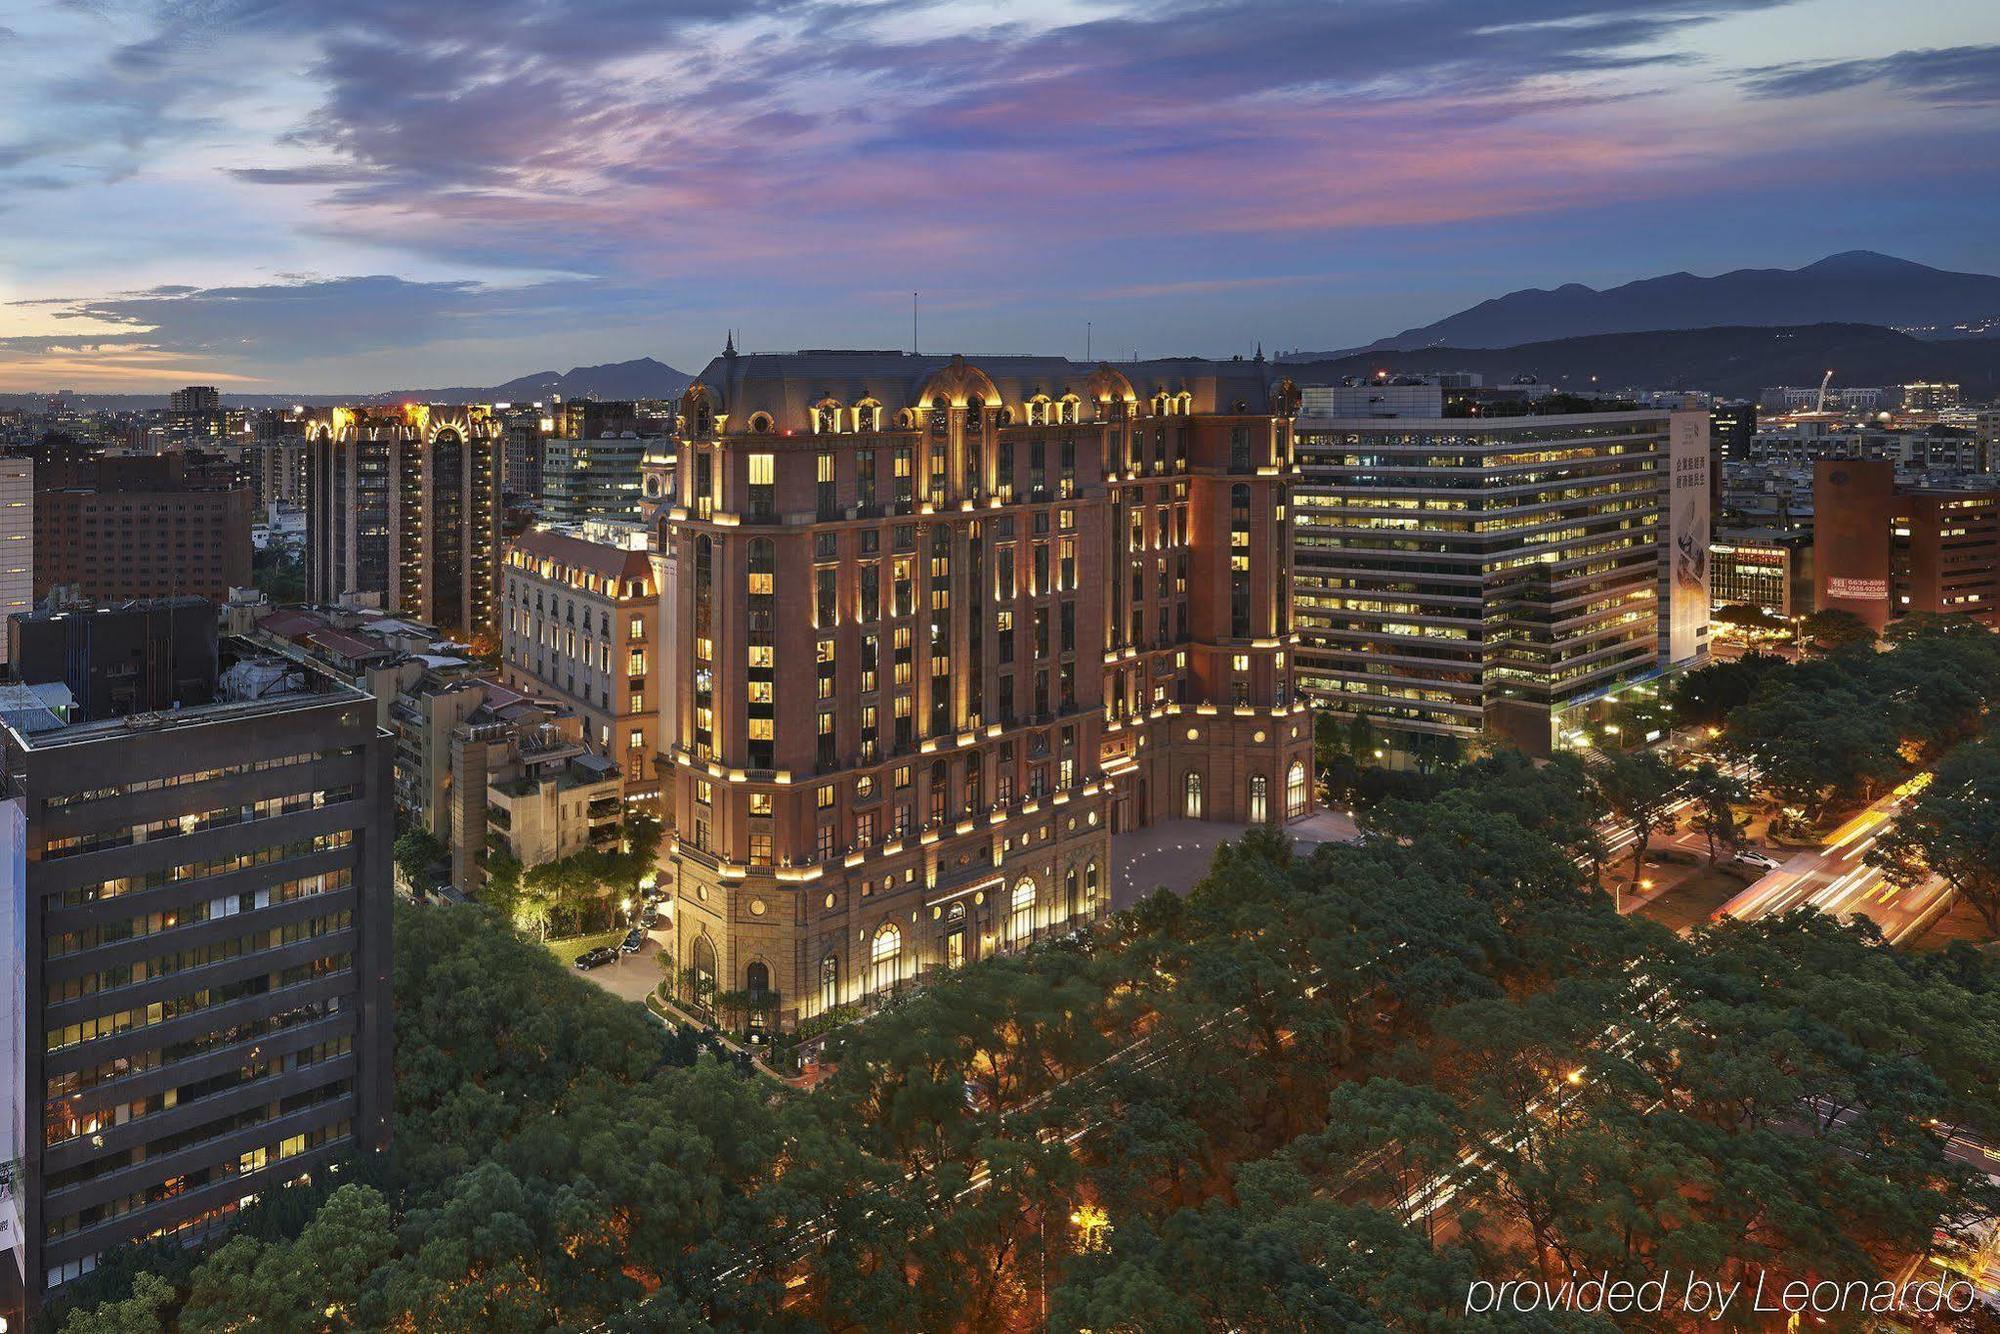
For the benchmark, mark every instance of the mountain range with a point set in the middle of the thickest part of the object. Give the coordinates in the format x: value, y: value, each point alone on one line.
x: 643, y: 377
x: 1854, y: 287
x: 1735, y: 362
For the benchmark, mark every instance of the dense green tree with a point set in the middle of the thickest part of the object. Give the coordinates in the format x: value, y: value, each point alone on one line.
x: 1830, y: 630
x: 1639, y: 788
x: 1716, y: 796
x: 1706, y: 696
x: 140, y: 1313
x: 416, y: 852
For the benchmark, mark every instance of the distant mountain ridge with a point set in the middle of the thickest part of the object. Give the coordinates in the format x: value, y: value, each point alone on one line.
x: 1853, y: 287
x: 1735, y: 362
x: 643, y: 377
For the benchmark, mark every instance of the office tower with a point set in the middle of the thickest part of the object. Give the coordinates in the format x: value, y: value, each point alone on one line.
x: 942, y: 625
x: 1883, y: 550
x: 521, y: 452
x: 579, y: 623
x: 402, y: 506
x: 1732, y: 427
x: 119, y: 527
x: 195, y: 414
x: 592, y: 479
x: 200, y: 942
x: 1477, y: 573
x: 17, y: 536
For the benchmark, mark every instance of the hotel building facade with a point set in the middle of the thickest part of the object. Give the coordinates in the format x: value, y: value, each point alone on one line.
x: 580, y: 623
x: 941, y: 626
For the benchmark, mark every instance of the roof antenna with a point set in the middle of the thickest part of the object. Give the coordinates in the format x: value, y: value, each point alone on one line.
x: 1086, y: 340
x: 913, y: 324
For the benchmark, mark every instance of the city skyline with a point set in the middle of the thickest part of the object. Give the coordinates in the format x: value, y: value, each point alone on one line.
x: 326, y: 199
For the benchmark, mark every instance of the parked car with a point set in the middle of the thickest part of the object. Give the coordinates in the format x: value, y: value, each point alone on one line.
x: 1752, y: 857
x: 596, y: 958
x: 635, y: 940
x: 649, y: 917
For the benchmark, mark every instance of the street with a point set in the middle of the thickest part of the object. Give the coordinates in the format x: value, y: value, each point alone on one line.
x: 1838, y: 881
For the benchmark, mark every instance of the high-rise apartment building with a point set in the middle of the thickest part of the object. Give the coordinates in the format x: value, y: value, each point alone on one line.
x: 198, y: 942
x: 403, y: 504
x: 940, y: 626
x: 118, y: 527
x: 1882, y: 550
x: 17, y: 536
x: 1459, y: 575
x: 195, y: 413
x: 579, y: 622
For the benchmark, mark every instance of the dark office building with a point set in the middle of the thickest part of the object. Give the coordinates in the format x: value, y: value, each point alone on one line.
x: 1883, y: 550
x: 136, y: 658
x: 1731, y: 428
x: 141, y: 526
x: 197, y: 909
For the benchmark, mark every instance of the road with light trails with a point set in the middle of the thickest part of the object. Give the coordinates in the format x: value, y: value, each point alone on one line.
x: 1837, y: 879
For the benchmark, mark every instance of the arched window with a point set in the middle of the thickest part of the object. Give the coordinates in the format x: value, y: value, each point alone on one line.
x: 1191, y: 796
x: 1021, y: 917
x: 885, y: 956
x: 1090, y: 889
x: 829, y: 983
x: 1295, y: 790
x: 940, y: 421
x: 1070, y: 882
x: 954, y: 936
x: 868, y: 415
x: 701, y: 982
x: 1066, y: 410
x: 757, y: 979
x: 1260, y: 805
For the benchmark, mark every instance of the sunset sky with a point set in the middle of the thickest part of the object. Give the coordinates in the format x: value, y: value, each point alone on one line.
x: 351, y: 195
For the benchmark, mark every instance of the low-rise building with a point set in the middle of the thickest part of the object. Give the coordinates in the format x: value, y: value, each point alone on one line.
x: 1770, y: 569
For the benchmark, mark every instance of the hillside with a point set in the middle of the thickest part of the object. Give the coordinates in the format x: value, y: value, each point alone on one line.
x: 1736, y: 362
x: 1855, y: 287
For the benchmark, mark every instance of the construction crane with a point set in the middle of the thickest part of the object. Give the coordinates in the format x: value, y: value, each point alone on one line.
x: 1825, y: 380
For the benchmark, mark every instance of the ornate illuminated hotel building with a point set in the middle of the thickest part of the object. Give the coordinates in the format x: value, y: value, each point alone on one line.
x: 402, y: 504
x: 945, y: 625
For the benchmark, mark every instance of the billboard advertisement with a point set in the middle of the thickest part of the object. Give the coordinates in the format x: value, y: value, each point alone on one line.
x: 1687, y: 574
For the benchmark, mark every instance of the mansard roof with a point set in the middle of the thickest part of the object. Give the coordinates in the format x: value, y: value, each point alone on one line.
x: 787, y: 386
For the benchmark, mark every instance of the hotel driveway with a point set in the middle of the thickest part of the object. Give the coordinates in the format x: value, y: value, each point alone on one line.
x: 1175, y: 855
x: 634, y: 976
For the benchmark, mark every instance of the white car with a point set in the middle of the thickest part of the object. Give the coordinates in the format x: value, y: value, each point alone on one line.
x: 1752, y: 857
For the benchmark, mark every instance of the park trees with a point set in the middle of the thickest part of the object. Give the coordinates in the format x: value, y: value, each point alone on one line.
x: 1639, y: 788
x: 1716, y: 796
